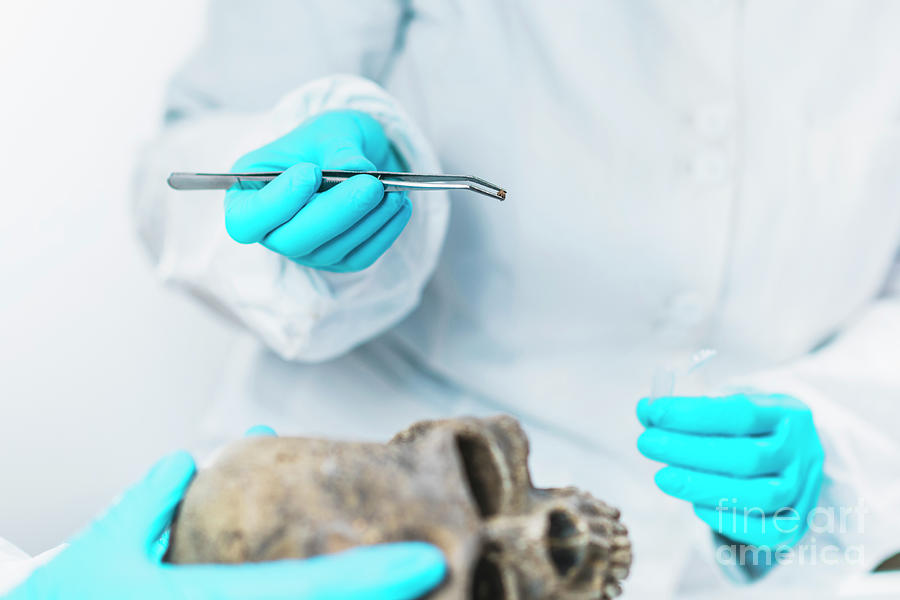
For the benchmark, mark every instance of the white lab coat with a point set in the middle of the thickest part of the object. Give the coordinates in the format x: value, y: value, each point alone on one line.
x: 681, y: 175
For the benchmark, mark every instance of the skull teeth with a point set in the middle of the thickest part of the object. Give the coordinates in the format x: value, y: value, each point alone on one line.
x: 612, y: 590
x: 603, y: 542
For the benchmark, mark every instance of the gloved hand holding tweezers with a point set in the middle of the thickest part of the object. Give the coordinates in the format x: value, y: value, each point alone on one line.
x: 317, y: 197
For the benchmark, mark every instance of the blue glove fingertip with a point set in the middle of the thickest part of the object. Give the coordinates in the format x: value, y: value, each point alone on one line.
x: 260, y: 431
x: 643, y: 411
x: 144, y: 510
x: 647, y: 445
x: 652, y: 411
x: 369, y: 188
x: 172, y: 469
x: 421, y: 562
x: 397, y: 201
x: 668, y: 480
x: 252, y: 213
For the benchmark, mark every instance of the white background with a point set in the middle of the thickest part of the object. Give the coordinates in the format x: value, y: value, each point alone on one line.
x: 102, y: 370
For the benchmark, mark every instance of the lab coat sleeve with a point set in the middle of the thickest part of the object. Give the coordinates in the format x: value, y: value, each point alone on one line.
x: 301, y: 313
x: 16, y: 565
x: 852, y: 386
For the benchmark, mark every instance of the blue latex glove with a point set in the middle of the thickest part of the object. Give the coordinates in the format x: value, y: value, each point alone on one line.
x: 748, y: 454
x: 118, y: 557
x: 345, y: 228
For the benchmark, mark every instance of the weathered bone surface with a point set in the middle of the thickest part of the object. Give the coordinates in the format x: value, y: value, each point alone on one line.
x: 461, y: 484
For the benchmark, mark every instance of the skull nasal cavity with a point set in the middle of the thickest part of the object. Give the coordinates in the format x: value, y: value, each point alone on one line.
x: 563, y: 543
x: 487, y: 581
x: 482, y: 473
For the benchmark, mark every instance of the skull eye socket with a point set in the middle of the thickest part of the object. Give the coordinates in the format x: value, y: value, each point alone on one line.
x: 482, y: 473
x: 563, y: 542
x: 487, y: 579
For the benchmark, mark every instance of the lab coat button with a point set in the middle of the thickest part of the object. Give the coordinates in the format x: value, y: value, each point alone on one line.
x: 714, y: 121
x: 710, y: 168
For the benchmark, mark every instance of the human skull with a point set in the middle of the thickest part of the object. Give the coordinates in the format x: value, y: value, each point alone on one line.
x: 461, y: 484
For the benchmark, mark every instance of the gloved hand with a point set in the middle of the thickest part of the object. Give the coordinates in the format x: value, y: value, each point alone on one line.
x: 750, y: 463
x: 345, y: 228
x: 118, y: 557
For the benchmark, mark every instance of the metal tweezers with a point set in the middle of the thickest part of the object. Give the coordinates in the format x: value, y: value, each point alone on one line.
x: 393, y: 182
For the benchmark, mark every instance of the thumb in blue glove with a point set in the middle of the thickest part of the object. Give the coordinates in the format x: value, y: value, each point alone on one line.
x: 346, y: 228
x: 117, y: 557
x: 751, y: 464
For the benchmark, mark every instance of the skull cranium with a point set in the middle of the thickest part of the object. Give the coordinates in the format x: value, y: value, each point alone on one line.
x: 461, y: 484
